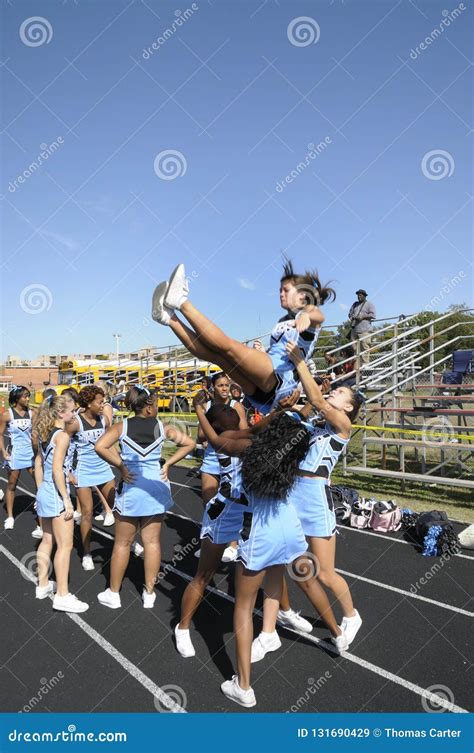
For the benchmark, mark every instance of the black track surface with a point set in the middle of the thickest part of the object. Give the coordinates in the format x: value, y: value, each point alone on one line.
x: 417, y: 641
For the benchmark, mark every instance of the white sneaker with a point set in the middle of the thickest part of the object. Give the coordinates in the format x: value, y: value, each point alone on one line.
x: 159, y: 311
x: 109, y: 599
x: 197, y: 553
x: 350, y: 626
x: 2, y: 494
x: 109, y: 519
x: 69, y: 603
x: 77, y: 517
x: 293, y: 620
x: 263, y: 644
x: 184, y: 643
x: 8, y: 524
x: 41, y: 592
x: 229, y: 554
x: 137, y: 549
x: 340, y: 642
x: 178, y: 289
x: 148, y: 599
x: 234, y: 692
x: 37, y: 533
x: 87, y: 562
x: 100, y: 516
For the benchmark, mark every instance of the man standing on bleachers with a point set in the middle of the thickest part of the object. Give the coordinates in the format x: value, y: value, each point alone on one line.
x: 361, y: 315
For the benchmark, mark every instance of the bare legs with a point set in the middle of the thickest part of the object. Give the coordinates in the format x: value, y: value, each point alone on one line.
x: 60, y: 532
x: 13, y: 477
x: 325, y: 551
x: 125, y: 532
x: 84, y: 496
x: 209, y: 561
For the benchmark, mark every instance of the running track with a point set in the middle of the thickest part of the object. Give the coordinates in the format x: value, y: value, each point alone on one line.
x: 124, y: 660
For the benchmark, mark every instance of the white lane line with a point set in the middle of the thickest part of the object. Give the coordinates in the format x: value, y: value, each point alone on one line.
x: 389, y: 676
x: 406, y: 593
x: 132, y: 670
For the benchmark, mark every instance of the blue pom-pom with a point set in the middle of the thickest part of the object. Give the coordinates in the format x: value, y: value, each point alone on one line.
x: 430, y: 544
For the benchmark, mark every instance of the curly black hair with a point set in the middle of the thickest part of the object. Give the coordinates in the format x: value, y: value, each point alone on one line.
x: 222, y: 417
x: 88, y: 394
x: 270, y: 463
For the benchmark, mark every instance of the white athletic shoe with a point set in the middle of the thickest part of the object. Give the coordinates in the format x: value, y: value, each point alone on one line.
x: 41, y: 592
x: 293, y: 620
x: 37, y: 533
x: 229, y: 554
x: 234, y: 692
x: 69, y: 603
x: 137, y: 549
x: 87, y: 562
x: 340, y: 642
x: 99, y: 517
x: 148, y: 599
x: 2, y: 494
x: 184, y: 643
x: 9, y: 524
x: 77, y: 517
x: 263, y: 644
x: 178, y: 289
x: 466, y: 537
x: 109, y: 599
x: 350, y: 626
x: 160, y: 312
x: 109, y: 519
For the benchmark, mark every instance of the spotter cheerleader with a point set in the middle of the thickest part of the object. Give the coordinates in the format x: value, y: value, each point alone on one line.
x: 265, y: 377
x: 143, y: 495
x: 19, y: 455
x: 91, y: 471
x: 53, y: 502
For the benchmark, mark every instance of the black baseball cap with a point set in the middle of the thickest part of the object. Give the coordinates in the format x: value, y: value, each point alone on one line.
x: 364, y: 292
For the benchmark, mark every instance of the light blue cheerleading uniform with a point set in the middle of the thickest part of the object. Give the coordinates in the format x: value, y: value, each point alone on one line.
x: 311, y: 495
x: 287, y: 378
x: 271, y: 534
x: 210, y: 463
x: 141, y: 443
x: 49, y: 503
x: 19, y: 435
x: 224, y: 513
x: 91, y: 470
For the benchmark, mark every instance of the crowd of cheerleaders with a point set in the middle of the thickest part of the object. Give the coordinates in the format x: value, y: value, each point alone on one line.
x: 265, y: 488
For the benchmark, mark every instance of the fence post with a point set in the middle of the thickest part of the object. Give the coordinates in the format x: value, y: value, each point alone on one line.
x: 395, y: 372
x: 357, y: 344
x: 432, y: 356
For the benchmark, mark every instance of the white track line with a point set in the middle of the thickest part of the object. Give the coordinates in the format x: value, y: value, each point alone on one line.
x: 132, y: 670
x: 389, y: 676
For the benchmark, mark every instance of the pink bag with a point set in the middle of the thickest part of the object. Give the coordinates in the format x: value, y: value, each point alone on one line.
x: 361, y: 513
x: 386, y: 517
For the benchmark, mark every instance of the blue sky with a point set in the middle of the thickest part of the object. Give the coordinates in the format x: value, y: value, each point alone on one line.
x: 239, y: 89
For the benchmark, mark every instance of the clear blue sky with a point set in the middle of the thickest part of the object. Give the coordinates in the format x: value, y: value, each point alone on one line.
x: 98, y: 228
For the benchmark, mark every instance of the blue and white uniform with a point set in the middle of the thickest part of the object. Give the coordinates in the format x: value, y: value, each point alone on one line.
x: 224, y: 513
x: 91, y: 470
x: 49, y: 503
x: 311, y: 494
x: 210, y: 463
x: 19, y: 445
x: 141, y: 442
x: 286, y: 375
x: 271, y: 534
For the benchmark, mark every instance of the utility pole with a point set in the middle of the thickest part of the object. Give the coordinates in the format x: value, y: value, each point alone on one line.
x: 117, y: 346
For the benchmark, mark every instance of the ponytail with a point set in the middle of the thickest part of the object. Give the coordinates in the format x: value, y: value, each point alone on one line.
x: 49, y: 412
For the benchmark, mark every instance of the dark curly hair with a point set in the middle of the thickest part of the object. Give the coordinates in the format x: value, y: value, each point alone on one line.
x: 223, y: 418
x: 270, y: 464
x: 88, y: 394
x: 309, y: 283
x: 137, y: 398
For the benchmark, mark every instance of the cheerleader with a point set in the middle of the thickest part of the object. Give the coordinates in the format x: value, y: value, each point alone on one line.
x: 19, y: 455
x: 210, y: 468
x: 144, y: 491
x: 91, y: 471
x: 265, y: 377
x: 53, y: 502
x: 311, y: 493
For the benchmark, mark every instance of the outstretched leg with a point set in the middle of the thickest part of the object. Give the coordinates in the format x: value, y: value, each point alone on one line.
x: 256, y: 365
